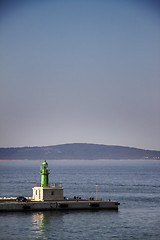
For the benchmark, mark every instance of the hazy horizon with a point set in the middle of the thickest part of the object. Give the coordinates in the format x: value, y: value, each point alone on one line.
x: 80, y: 143
x: 80, y: 72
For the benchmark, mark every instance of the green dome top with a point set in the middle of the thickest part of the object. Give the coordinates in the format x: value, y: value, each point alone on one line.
x: 45, y: 163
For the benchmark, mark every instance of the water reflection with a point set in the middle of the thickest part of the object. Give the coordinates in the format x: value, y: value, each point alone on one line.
x: 43, y: 222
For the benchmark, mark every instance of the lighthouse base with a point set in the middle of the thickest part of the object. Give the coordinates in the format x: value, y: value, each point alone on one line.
x: 48, y: 193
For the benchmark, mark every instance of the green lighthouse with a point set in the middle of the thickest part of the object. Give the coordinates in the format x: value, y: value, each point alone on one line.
x: 44, y: 171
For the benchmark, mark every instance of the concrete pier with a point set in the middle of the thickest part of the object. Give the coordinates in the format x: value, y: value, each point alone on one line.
x: 7, y: 205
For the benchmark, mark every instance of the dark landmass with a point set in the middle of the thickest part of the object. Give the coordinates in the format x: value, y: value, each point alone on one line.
x: 77, y: 151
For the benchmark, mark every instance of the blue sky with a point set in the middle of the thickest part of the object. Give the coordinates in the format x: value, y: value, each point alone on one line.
x: 80, y: 71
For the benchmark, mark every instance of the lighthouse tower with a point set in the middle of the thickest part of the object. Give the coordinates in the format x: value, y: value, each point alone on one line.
x: 44, y: 171
x: 46, y: 191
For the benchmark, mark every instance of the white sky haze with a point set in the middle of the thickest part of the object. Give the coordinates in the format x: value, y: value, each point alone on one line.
x: 80, y: 71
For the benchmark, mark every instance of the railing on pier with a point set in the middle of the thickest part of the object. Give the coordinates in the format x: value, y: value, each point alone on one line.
x: 55, y: 185
x: 50, y: 185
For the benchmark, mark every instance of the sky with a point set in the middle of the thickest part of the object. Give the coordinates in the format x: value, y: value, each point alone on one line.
x: 80, y: 71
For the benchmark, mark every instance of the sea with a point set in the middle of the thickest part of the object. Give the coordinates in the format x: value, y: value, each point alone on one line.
x: 134, y: 183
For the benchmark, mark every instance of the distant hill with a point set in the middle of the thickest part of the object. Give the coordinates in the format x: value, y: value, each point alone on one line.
x: 77, y: 151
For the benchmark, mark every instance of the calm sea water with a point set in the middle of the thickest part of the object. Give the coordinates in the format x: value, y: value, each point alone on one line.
x: 135, y: 184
